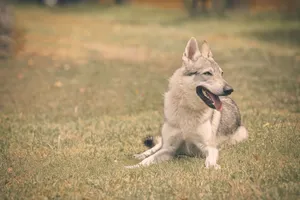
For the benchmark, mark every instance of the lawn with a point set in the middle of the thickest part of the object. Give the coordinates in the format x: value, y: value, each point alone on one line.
x: 77, y: 101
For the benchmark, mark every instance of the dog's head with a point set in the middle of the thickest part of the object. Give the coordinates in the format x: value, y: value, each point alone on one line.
x: 202, y: 74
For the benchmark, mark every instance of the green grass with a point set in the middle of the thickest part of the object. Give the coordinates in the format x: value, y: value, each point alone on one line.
x: 88, y: 87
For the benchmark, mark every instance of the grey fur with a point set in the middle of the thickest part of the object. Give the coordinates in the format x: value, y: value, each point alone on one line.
x: 230, y: 117
x: 192, y: 126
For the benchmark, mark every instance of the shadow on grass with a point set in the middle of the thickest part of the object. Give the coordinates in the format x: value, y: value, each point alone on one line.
x: 236, y: 15
x: 271, y: 15
x: 284, y: 36
x: 198, y: 18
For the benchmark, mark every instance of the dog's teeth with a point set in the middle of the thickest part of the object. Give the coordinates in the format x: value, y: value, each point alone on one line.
x: 206, y: 94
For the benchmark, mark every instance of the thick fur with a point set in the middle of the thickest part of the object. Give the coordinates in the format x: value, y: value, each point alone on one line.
x: 190, y: 126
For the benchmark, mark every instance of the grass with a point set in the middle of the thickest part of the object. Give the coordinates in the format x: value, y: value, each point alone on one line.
x: 88, y: 87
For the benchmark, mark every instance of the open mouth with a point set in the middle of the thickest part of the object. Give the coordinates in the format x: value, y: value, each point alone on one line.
x: 210, y: 99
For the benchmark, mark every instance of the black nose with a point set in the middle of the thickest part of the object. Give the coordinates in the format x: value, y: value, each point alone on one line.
x: 227, y: 90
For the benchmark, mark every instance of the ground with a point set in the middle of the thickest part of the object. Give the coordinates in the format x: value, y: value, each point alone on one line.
x: 88, y: 86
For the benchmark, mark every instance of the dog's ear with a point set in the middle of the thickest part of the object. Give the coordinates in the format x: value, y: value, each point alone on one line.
x: 205, y: 50
x: 191, y: 50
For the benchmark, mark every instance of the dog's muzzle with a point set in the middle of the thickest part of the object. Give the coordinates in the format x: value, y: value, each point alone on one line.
x: 210, y: 99
x: 227, y: 90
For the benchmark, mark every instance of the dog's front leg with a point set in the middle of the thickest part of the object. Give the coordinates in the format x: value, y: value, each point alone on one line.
x: 207, y: 144
x: 171, y: 140
x: 212, y: 155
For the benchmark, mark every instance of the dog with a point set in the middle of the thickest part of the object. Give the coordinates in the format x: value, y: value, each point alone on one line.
x: 199, y: 115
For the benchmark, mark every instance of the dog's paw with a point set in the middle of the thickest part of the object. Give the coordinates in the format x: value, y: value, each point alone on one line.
x: 139, y: 156
x: 211, y: 163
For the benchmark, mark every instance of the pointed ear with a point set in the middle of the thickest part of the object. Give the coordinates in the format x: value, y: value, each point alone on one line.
x: 191, y: 50
x: 205, y: 50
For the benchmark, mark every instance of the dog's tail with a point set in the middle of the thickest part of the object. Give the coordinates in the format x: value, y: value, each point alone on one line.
x: 151, y: 141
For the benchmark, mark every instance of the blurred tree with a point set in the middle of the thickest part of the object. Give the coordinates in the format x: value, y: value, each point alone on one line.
x: 192, y: 6
x: 119, y: 1
x: 6, y: 29
x: 219, y: 6
x: 11, y: 32
x: 237, y: 4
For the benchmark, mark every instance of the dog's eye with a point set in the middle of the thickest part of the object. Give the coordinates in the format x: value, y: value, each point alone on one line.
x: 207, y: 73
x: 193, y: 73
x: 222, y: 73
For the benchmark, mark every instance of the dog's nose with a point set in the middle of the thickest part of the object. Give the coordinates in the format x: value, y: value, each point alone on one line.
x: 227, y: 90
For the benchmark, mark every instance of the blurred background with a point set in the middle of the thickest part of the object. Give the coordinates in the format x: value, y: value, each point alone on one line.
x: 82, y: 83
x: 194, y: 8
x: 70, y: 34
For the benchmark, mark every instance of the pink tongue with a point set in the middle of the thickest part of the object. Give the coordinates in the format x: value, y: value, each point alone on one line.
x: 216, y: 100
